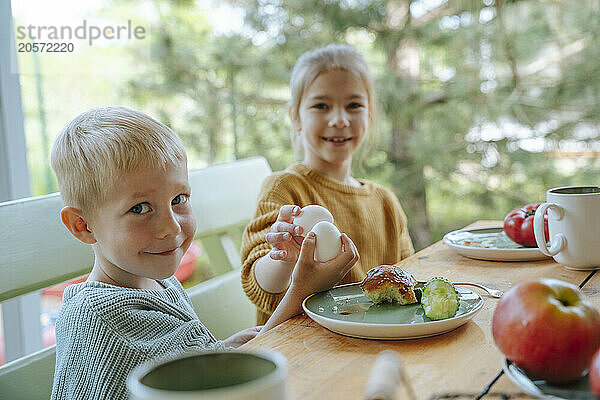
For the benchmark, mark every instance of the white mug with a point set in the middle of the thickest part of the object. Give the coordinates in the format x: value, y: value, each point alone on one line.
x: 573, y: 226
x: 211, y: 375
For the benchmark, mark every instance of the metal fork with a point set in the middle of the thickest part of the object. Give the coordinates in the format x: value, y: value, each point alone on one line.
x: 492, y: 292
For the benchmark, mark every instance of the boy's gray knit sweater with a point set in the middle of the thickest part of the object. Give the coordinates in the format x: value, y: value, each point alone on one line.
x: 105, y: 331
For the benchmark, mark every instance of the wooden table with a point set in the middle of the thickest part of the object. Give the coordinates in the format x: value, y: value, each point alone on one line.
x: 462, y: 364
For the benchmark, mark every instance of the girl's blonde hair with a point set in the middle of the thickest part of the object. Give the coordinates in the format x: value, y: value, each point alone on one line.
x: 331, y: 57
x: 100, y: 145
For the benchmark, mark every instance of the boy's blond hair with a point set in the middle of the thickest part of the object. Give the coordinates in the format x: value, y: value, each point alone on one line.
x: 100, y: 145
x: 331, y: 57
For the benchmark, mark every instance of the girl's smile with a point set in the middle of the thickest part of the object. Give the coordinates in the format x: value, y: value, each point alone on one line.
x: 337, y: 140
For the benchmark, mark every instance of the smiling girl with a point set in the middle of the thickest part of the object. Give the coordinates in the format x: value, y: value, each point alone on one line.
x: 331, y: 106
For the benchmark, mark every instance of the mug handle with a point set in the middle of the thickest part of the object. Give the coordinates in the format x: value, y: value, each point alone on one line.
x: 558, y: 241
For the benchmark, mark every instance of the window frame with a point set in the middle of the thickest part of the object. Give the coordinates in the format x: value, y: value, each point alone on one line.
x: 20, y: 316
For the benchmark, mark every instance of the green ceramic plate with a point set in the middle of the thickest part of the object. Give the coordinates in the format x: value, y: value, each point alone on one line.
x: 490, y: 244
x: 347, y: 311
x: 577, y: 390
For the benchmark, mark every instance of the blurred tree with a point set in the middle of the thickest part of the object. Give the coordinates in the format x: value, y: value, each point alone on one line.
x: 466, y: 88
x: 483, y: 103
x: 211, y: 89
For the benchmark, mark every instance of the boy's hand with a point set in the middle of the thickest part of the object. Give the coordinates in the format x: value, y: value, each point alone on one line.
x: 284, y: 236
x: 241, y: 337
x: 312, y: 276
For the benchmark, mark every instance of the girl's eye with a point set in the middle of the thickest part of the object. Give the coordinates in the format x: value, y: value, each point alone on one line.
x: 141, y: 208
x: 320, y: 106
x: 355, y: 105
x: 180, y: 199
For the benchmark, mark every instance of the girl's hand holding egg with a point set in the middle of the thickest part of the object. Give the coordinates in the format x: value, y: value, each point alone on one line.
x: 284, y: 236
x: 290, y: 228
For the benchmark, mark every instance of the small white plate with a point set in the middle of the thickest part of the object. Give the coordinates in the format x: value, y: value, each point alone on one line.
x: 576, y: 390
x: 347, y: 311
x: 490, y: 244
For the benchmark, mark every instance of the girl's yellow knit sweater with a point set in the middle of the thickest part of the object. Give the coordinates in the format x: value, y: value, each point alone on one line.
x: 370, y: 215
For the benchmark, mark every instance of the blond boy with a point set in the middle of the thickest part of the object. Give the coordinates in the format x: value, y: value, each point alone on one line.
x: 123, y: 179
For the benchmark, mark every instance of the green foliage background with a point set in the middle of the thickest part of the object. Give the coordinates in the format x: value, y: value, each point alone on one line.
x: 483, y: 104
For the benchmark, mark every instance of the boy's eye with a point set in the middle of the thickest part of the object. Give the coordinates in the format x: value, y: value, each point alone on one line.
x: 141, y: 208
x: 180, y: 199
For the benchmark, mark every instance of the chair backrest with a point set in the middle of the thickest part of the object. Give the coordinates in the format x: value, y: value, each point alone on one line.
x: 36, y: 251
x: 224, y: 198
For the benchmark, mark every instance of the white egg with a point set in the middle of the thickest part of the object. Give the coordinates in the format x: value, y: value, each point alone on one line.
x: 310, y: 215
x: 328, y: 243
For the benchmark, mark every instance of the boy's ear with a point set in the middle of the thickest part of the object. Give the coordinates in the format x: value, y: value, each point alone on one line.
x: 295, y: 119
x: 76, y: 224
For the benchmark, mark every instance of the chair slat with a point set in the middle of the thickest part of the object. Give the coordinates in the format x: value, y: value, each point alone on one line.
x: 30, y: 377
x: 36, y: 250
x: 222, y: 305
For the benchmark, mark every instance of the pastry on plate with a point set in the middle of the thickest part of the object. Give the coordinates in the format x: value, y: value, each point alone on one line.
x: 388, y: 283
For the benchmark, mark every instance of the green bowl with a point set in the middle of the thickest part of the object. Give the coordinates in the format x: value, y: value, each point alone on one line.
x: 230, y: 375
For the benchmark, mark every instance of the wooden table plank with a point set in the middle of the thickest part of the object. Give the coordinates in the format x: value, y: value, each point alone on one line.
x: 324, y: 364
x: 591, y: 289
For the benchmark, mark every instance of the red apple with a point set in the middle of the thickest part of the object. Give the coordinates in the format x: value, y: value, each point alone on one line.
x: 547, y: 328
x: 595, y: 374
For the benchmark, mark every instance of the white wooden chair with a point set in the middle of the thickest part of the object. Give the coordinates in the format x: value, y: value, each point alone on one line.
x: 36, y: 251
